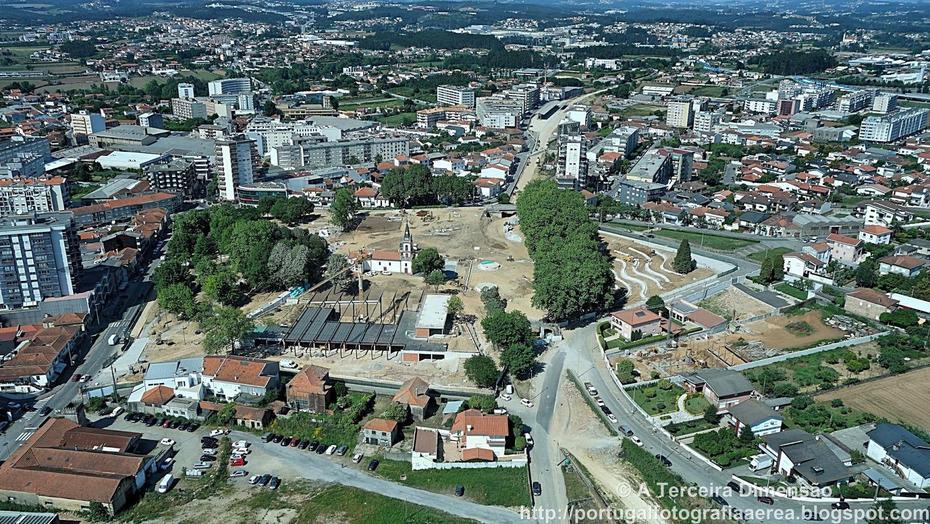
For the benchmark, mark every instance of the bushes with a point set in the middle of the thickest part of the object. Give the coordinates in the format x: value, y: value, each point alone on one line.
x: 724, y: 447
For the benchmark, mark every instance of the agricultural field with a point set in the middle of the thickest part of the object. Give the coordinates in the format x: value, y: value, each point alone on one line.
x: 899, y: 398
x: 491, y: 486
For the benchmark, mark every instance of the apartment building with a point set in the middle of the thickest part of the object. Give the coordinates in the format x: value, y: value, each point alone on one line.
x: 185, y: 90
x: 856, y: 101
x: 176, y: 176
x: 23, y: 156
x: 893, y: 126
x: 447, y: 95
x: 19, y: 196
x: 885, y: 103
x: 39, y: 258
x: 188, y: 108
x: 229, y: 86
x: 572, y: 169
x: 705, y: 121
x: 679, y: 114
x: 498, y: 112
x: 84, y: 124
x: 235, y: 162
x: 653, y: 167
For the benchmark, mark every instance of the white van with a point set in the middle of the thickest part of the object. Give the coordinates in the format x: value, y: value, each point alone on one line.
x: 165, y: 483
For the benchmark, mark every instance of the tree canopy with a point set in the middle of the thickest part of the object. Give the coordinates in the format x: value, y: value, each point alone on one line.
x: 481, y: 370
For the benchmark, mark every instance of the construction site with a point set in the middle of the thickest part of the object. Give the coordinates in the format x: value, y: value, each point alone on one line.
x: 646, y: 271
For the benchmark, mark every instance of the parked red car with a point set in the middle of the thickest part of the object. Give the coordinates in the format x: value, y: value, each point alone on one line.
x: 235, y: 462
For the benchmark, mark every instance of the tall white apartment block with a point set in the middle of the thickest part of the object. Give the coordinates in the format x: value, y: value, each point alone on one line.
x: 236, y: 160
x: 455, y: 96
x: 856, y: 101
x: 84, y: 123
x: 572, y: 170
x: 680, y: 114
x: 185, y: 90
x: 39, y: 258
x: 884, y: 103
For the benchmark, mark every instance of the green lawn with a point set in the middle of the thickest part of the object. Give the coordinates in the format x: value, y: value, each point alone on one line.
x: 760, y: 256
x: 691, y: 426
x: 641, y: 110
x: 656, y: 400
x: 713, y: 91
x: 399, y: 119
x: 354, y: 506
x: 791, y: 291
x: 490, y: 486
x: 696, y: 404
x: 707, y: 240
x: 370, y: 102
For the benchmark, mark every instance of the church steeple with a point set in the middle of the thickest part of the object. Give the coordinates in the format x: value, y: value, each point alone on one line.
x: 406, y: 243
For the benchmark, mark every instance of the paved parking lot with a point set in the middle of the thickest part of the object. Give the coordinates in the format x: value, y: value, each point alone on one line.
x: 187, y: 449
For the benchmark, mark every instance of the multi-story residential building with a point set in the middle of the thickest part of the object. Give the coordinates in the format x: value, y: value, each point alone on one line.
x: 176, y: 176
x: 447, y: 95
x: 39, y: 258
x: 230, y: 376
x: 229, y: 86
x: 766, y: 106
x: 188, y: 108
x: 704, y: 121
x: 679, y: 114
x: 235, y: 163
x: 526, y: 94
x: 498, y: 112
x: 856, y: 101
x: 885, y: 103
x: 893, y: 126
x: 339, y: 153
x: 19, y: 196
x: 84, y: 124
x: 654, y: 167
x: 185, y: 90
x: 152, y: 120
x: 885, y: 214
x: 23, y: 156
x: 572, y: 170
x: 581, y: 114
x: 636, y: 193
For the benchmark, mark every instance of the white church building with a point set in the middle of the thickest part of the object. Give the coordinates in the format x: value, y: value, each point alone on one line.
x: 389, y: 261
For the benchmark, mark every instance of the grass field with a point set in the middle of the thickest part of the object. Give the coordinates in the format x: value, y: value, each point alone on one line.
x: 696, y: 404
x: 791, y: 291
x: 713, y: 91
x: 399, y: 119
x: 641, y: 110
x: 490, y: 486
x: 352, y: 505
x: 707, y: 240
x: 356, y: 103
x: 761, y: 255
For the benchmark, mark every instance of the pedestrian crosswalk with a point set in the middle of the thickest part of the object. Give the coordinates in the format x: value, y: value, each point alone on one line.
x: 24, y: 436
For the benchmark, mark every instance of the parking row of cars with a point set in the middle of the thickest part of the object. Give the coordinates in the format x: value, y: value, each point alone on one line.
x: 320, y: 448
x: 165, y: 422
x: 266, y: 480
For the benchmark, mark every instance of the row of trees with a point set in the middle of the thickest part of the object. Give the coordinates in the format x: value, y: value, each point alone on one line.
x: 572, y: 273
x: 416, y: 185
x: 511, y: 333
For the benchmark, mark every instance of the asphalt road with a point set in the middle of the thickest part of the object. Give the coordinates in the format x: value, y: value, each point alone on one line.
x: 97, y: 352
x: 589, y: 364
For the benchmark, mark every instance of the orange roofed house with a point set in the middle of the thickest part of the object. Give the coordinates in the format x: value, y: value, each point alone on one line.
x: 68, y: 466
x: 475, y: 431
x: 310, y: 390
x: 414, y: 393
x: 228, y: 376
x: 636, y: 323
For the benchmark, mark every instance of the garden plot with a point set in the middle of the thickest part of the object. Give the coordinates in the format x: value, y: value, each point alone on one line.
x: 646, y: 272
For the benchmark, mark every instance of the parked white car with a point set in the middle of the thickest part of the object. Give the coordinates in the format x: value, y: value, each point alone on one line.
x: 203, y: 465
x: 357, y: 457
x: 526, y: 402
x: 167, y: 442
x: 500, y: 411
x: 241, y: 444
x: 288, y: 364
x: 505, y: 397
x: 611, y: 417
x: 529, y: 439
x: 636, y: 440
x: 242, y: 451
x: 330, y: 450
x: 218, y: 432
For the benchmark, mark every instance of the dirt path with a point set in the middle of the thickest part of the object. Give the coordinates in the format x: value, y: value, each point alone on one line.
x: 575, y: 427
